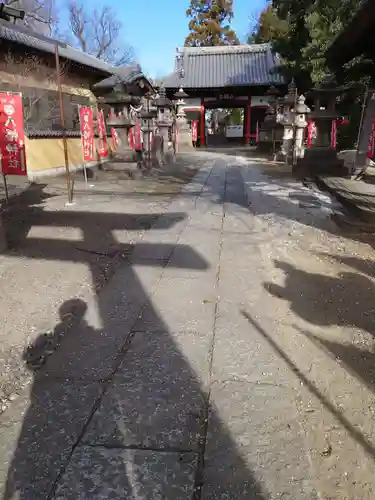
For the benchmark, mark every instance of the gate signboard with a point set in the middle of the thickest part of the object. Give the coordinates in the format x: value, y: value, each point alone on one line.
x: 12, y: 134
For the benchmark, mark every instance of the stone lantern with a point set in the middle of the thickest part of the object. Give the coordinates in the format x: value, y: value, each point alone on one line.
x: 300, y: 112
x: 164, y: 122
x: 182, y: 125
x: 121, y: 120
x: 270, y: 132
x: 287, y: 121
x: 322, y: 157
x: 147, y: 128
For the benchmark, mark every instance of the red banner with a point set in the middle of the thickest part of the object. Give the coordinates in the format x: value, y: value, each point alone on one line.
x: 131, y: 137
x: 86, y: 117
x: 115, y: 140
x: 194, y: 130
x: 12, y: 135
x: 137, y: 135
x: 334, y: 134
x: 310, y: 130
x: 102, y: 142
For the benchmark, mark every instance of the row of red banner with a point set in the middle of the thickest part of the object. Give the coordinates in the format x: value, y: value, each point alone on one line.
x: 86, y: 117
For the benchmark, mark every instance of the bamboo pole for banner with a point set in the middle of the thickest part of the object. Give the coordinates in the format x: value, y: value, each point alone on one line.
x: 6, y: 189
x: 63, y: 129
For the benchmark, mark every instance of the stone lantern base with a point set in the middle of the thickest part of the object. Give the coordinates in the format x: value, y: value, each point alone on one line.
x: 318, y: 161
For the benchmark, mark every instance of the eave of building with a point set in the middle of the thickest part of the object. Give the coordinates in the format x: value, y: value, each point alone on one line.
x: 26, y: 40
x: 355, y: 39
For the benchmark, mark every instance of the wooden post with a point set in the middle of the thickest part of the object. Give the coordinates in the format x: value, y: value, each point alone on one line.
x: 62, y: 124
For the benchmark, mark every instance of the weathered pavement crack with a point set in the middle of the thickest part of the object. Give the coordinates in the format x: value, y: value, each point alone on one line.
x: 199, y: 477
x: 107, y: 383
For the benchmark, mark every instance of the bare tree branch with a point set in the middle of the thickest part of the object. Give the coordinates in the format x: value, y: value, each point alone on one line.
x: 41, y: 15
x: 98, y: 33
x: 34, y: 78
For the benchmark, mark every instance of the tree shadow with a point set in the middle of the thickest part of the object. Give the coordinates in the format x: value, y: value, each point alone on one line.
x: 343, y: 300
x: 365, y: 266
x: 117, y: 411
x: 359, y: 362
x: 352, y: 430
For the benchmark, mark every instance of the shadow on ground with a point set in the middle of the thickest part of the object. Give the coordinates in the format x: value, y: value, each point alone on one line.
x: 116, y: 411
x: 354, y: 431
x: 345, y: 300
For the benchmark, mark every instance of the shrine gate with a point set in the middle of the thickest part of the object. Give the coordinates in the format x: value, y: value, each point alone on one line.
x: 232, y: 76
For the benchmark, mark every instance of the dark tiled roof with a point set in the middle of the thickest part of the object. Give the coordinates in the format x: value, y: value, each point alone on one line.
x: 124, y: 74
x: 27, y: 38
x: 223, y: 66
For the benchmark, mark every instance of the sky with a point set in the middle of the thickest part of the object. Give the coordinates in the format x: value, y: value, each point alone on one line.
x: 155, y: 28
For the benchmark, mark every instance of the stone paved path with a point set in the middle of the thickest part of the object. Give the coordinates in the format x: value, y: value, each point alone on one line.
x: 231, y: 357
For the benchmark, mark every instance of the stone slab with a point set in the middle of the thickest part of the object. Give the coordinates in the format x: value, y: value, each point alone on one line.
x: 157, y: 400
x: 38, y: 432
x: 241, y: 353
x: 196, y: 256
x: 104, y: 474
x: 190, y: 307
x: 256, y: 450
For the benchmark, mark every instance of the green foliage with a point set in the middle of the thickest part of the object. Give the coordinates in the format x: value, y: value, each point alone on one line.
x: 269, y: 27
x: 235, y: 116
x: 210, y: 23
x: 301, y: 32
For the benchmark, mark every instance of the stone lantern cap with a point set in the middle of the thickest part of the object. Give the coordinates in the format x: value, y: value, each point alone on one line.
x: 162, y: 101
x: 119, y: 99
x: 301, y: 108
x: 290, y: 97
x: 120, y: 121
x: 148, y: 115
x: 326, y: 90
x: 181, y: 94
x: 273, y: 93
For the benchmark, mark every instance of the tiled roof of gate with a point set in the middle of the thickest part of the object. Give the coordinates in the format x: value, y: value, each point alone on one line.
x: 223, y: 66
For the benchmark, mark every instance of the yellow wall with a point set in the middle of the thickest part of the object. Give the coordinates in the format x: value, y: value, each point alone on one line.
x: 46, y: 154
